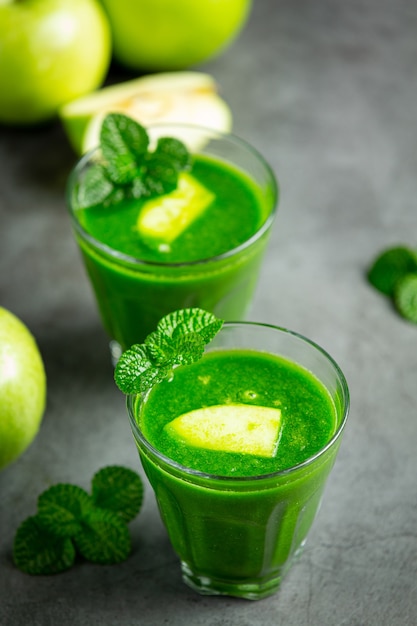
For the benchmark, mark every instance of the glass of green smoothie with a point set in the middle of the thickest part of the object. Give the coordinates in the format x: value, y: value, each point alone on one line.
x: 237, y: 447
x: 200, y: 245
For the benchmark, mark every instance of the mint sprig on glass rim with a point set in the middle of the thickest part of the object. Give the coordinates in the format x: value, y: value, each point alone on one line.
x: 128, y: 168
x: 70, y: 522
x: 179, y: 339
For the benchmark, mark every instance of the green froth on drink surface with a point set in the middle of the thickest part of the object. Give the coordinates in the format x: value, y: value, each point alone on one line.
x: 227, y: 377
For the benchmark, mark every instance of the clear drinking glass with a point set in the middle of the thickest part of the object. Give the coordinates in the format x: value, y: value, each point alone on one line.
x: 239, y: 536
x: 133, y: 294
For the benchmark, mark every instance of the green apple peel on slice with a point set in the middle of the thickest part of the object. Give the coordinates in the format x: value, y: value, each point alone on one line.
x: 241, y: 428
x: 163, y: 219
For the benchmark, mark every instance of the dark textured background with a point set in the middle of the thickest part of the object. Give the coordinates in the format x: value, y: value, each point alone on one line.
x: 327, y: 91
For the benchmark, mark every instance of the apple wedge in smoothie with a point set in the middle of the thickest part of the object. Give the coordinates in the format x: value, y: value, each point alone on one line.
x: 163, y: 219
x: 242, y: 428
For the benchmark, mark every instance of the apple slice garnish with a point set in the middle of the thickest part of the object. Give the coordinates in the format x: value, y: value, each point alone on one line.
x: 164, y: 218
x: 171, y: 97
x: 242, y: 428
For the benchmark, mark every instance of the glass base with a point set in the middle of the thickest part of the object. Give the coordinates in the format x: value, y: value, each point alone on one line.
x: 208, y: 586
x: 115, y: 351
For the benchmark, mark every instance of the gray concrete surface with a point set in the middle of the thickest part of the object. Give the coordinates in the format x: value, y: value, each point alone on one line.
x: 327, y: 91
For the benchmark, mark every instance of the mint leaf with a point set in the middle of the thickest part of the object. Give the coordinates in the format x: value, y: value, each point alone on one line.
x: 95, y: 187
x: 160, y: 348
x: 163, y: 166
x: 136, y: 372
x: 192, y: 320
x: 61, y: 507
x: 180, y: 339
x: 405, y: 297
x: 118, y: 489
x: 175, y: 150
x: 37, y: 551
x: 160, y: 175
x: 188, y: 348
x: 103, y: 537
x: 390, y: 266
x: 124, y: 144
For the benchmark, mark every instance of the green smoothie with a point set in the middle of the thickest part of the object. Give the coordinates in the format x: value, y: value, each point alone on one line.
x: 308, y: 415
x: 235, y: 211
x: 212, y: 262
x: 237, y: 519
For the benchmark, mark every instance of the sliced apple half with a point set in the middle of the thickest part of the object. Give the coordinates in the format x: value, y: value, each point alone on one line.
x: 170, y: 97
x: 242, y: 428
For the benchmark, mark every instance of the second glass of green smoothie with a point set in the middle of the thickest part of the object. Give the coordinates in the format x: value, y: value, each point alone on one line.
x: 238, y: 447
x: 211, y: 261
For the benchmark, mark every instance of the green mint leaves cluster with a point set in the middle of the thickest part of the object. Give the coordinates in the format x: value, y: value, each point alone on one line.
x: 179, y: 339
x: 394, y: 273
x: 70, y: 521
x: 128, y: 168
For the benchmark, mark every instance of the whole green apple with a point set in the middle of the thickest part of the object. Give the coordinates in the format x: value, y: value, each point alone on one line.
x: 51, y: 51
x: 22, y: 387
x: 161, y: 35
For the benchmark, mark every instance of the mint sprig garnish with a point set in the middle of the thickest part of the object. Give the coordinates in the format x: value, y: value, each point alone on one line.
x: 128, y: 168
x: 69, y: 521
x: 179, y: 339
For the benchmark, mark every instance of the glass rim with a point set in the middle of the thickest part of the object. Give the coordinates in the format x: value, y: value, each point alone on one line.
x: 135, y: 261
x: 198, y: 474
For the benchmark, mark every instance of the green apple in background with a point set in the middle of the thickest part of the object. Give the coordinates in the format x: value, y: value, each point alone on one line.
x: 22, y: 387
x: 51, y: 51
x: 161, y: 35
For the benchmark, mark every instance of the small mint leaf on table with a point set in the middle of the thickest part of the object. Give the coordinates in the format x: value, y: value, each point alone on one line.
x: 103, y: 537
x: 69, y: 519
x: 118, y: 489
x: 390, y: 266
x: 405, y: 297
x: 179, y: 339
x: 38, y: 551
x: 61, y: 508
